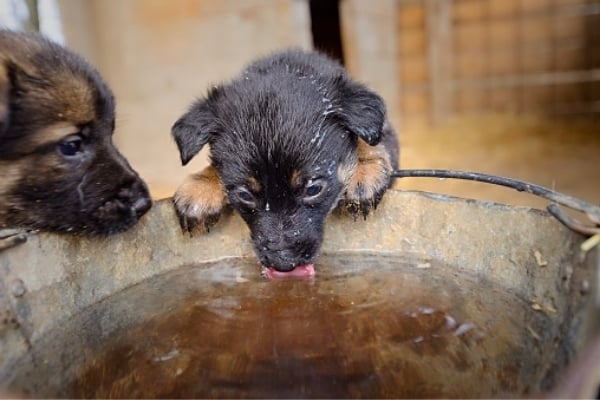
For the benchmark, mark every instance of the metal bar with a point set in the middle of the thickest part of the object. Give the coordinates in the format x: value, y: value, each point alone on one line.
x: 590, y: 210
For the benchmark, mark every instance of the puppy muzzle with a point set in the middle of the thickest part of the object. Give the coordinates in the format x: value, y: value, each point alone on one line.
x: 121, y: 211
x: 285, y: 254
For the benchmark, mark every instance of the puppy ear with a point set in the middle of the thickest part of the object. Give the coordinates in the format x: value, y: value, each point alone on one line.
x: 4, y: 98
x: 194, y: 129
x: 363, y: 112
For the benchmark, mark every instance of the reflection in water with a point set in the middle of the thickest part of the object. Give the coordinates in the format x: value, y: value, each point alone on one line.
x: 364, y: 326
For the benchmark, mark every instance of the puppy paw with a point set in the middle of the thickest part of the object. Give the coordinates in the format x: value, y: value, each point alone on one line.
x: 12, y: 237
x: 199, y: 201
x: 369, y: 181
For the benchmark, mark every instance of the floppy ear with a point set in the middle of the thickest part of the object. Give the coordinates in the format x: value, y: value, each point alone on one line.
x: 4, y: 98
x: 363, y: 111
x: 194, y: 129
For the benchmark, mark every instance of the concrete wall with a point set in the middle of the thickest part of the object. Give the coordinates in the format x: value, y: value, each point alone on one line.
x: 158, y: 56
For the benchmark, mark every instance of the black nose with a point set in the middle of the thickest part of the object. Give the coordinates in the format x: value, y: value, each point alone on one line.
x: 141, y: 206
x: 136, y: 197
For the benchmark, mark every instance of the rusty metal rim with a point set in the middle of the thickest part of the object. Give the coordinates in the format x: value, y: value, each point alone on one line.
x: 590, y: 210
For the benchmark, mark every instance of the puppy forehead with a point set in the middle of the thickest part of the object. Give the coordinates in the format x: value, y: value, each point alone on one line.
x: 282, y: 156
x: 80, y: 99
x: 76, y: 96
x: 59, y: 85
x: 294, y: 101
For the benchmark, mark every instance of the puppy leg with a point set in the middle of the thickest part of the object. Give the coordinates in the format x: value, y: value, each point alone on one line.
x: 11, y: 237
x: 199, y: 200
x: 370, y: 179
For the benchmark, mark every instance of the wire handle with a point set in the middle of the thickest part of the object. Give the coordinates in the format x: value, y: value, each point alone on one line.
x: 590, y: 210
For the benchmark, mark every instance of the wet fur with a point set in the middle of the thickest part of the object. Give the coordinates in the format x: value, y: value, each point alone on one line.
x: 49, y: 96
x: 291, y: 121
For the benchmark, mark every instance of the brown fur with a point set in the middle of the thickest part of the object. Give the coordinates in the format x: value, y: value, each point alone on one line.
x: 253, y: 183
x: 59, y: 170
x: 369, y: 179
x: 201, y: 194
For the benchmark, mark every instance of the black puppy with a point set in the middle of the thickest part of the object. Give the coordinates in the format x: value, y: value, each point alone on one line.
x: 59, y: 170
x: 290, y: 138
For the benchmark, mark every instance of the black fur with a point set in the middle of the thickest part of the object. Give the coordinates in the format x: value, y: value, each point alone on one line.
x: 292, y: 114
x: 42, y: 185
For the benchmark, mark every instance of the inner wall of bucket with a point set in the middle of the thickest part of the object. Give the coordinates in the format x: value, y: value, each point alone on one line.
x: 369, y: 326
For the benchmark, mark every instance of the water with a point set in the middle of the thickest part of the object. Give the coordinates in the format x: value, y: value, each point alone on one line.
x: 365, y: 326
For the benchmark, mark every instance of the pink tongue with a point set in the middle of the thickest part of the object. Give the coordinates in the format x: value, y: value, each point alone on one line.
x: 300, y: 271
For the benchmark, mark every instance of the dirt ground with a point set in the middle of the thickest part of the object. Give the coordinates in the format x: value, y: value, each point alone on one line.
x: 559, y: 154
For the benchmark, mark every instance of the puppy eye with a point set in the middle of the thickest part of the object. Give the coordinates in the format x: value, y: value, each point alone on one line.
x: 71, y: 146
x: 246, y: 197
x: 313, y: 189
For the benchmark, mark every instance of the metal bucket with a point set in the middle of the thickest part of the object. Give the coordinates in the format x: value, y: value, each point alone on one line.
x: 431, y: 296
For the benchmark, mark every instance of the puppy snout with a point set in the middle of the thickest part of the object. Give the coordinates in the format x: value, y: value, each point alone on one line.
x: 284, y: 253
x: 278, y: 245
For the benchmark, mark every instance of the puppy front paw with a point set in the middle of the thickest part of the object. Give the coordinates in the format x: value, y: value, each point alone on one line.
x: 370, y: 180
x: 199, y: 201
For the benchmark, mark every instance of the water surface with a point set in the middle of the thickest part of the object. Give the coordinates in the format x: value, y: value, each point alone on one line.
x: 365, y: 326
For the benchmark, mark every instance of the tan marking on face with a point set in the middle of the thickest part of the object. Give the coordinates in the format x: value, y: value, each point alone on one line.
x: 12, y: 172
x: 77, y: 97
x: 51, y: 134
x: 296, y: 179
x: 254, y: 184
x: 71, y: 95
x: 201, y: 196
x: 66, y: 88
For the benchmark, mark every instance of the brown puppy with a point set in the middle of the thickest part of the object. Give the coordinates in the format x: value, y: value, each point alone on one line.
x: 290, y: 138
x: 59, y: 170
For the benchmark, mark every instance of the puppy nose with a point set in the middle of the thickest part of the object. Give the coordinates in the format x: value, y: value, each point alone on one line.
x: 136, y: 196
x: 141, y: 206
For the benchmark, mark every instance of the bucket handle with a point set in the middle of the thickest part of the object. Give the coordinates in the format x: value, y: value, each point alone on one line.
x: 590, y: 210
